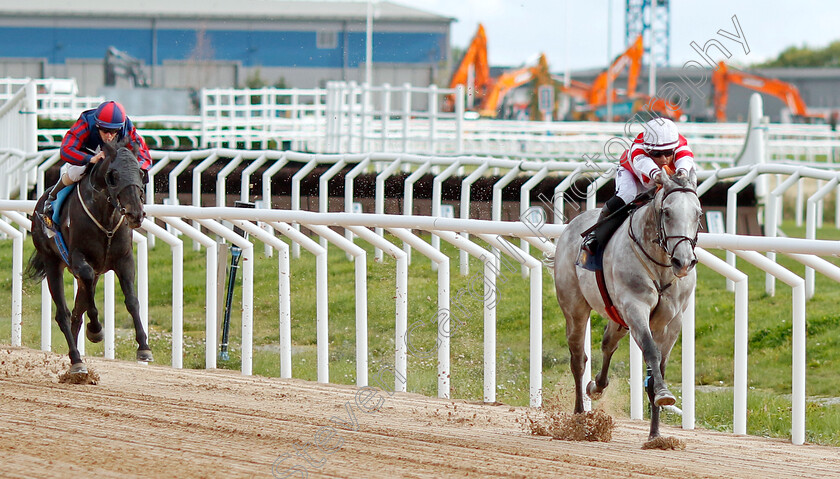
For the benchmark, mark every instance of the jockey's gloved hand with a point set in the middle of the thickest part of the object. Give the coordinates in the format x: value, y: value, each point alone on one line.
x: 657, y: 177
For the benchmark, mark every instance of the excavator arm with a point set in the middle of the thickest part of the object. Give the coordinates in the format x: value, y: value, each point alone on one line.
x: 786, y: 92
x: 632, y: 57
x: 475, y: 57
x: 509, y: 80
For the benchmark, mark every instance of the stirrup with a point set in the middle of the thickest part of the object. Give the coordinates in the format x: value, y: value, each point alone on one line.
x: 589, y: 244
x: 49, y: 226
x: 46, y: 218
x: 588, y: 257
x: 47, y: 208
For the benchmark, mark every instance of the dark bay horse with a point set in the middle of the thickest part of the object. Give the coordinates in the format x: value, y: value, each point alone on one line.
x: 96, y: 222
x: 648, y: 269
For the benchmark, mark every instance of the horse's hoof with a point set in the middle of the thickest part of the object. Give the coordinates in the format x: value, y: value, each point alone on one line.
x: 96, y: 337
x: 664, y: 398
x: 145, y: 355
x: 78, y: 368
x: 591, y: 391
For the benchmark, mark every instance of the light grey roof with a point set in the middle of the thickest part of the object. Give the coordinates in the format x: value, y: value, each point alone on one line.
x: 230, y: 9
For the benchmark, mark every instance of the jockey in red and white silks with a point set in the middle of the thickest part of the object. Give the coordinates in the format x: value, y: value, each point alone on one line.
x: 659, y: 147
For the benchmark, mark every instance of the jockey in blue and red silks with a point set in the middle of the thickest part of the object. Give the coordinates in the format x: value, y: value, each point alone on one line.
x: 82, y: 145
x: 659, y: 147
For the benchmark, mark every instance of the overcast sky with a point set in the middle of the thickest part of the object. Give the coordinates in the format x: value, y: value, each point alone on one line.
x: 518, y: 30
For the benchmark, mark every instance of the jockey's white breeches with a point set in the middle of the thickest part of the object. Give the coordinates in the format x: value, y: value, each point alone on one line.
x: 626, y: 185
x: 73, y: 172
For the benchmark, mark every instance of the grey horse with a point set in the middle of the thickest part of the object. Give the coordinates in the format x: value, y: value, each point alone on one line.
x: 648, y: 269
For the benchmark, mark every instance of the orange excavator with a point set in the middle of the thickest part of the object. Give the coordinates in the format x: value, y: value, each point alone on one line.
x: 475, y: 58
x: 786, y: 92
x: 631, y: 57
x: 489, y: 92
x: 512, y: 79
x: 596, y: 95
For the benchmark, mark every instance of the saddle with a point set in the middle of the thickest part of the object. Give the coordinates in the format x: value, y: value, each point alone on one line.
x: 606, y: 228
x: 51, y: 224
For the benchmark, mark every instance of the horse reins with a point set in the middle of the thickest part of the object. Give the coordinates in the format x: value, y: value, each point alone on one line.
x: 114, y: 202
x: 662, y: 240
x: 108, y: 233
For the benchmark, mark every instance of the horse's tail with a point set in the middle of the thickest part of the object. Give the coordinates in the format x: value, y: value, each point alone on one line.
x: 548, y: 260
x: 36, y: 270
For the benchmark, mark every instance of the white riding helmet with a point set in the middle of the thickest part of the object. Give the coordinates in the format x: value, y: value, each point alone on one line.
x: 660, y: 134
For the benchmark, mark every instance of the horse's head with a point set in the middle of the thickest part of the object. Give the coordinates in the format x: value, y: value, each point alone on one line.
x: 125, y: 181
x: 679, y: 220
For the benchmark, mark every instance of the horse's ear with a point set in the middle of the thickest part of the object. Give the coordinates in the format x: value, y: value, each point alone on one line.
x: 145, y: 176
x: 121, y: 143
x: 692, y: 177
x: 110, y: 149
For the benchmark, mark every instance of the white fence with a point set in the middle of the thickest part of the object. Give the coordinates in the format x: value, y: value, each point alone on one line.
x: 351, y: 118
x: 57, y: 98
x: 266, y: 224
x: 255, y: 118
x: 18, y: 123
x: 393, y: 119
x: 30, y: 167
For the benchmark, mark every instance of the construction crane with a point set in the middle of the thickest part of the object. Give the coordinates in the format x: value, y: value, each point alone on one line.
x: 121, y: 64
x: 786, y: 92
x: 473, y: 71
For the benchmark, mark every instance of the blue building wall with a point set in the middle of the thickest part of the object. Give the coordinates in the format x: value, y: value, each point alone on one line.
x: 252, y: 48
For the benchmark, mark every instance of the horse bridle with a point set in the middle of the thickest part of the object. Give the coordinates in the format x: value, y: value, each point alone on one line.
x: 661, y: 236
x: 113, y: 199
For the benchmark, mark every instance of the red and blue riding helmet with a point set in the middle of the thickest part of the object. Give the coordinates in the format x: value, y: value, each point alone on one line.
x: 110, y: 114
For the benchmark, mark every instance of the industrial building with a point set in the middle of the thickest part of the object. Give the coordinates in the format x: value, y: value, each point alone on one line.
x: 194, y: 44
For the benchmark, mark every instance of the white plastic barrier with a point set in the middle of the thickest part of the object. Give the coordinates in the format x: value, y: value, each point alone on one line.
x: 57, y: 98
x: 18, y: 124
x: 745, y: 246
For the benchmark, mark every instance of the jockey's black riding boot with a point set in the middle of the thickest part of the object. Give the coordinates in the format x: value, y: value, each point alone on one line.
x: 601, y: 234
x: 590, y: 242
x: 48, y: 206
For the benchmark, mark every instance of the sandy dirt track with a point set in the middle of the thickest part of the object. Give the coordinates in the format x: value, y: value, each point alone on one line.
x: 153, y: 421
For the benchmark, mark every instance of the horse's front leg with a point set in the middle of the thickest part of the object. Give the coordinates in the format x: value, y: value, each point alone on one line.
x: 665, y: 340
x: 55, y: 281
x: 637, y: 317
x: 613, y: 333
x: 125, y: 273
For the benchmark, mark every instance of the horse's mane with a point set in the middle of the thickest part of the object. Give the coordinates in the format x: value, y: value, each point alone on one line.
x: 677, y: 181
x: 684, y: 181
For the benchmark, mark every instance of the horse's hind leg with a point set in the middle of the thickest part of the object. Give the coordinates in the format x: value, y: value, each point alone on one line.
x: 125, y: 273
x: 94, y: 330
x: 576, y: 336
x: 613, y: 333
x: 85, y: 300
